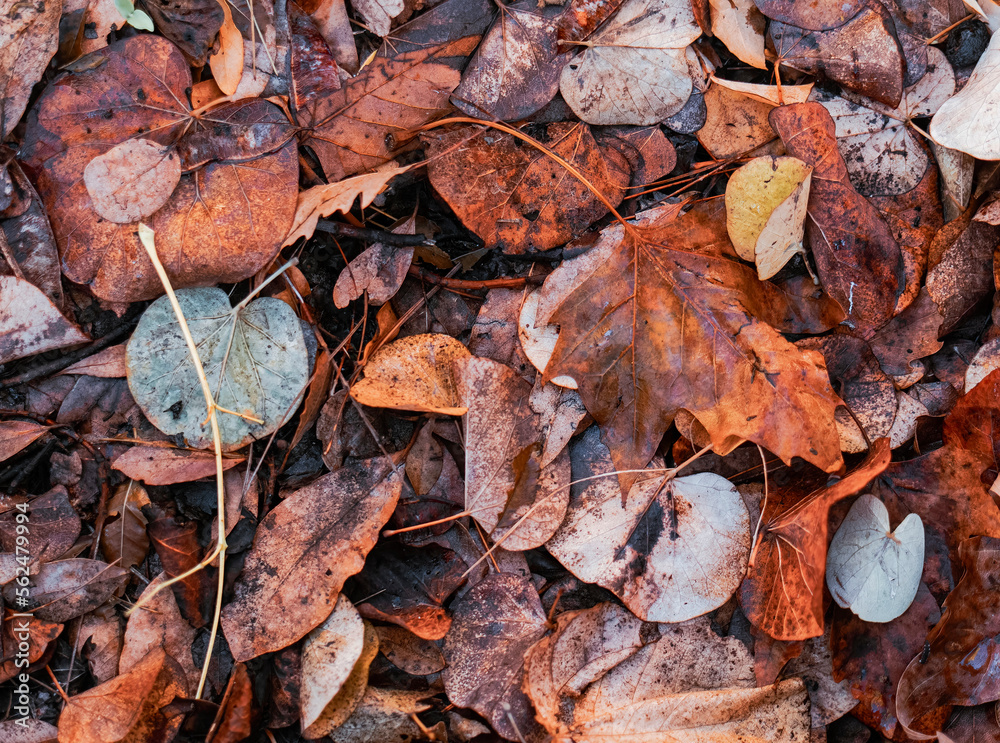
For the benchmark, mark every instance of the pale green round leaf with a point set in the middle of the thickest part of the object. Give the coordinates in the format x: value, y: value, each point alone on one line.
x: 138, y: 19
x: 871, y: 570
x: 255, y: 360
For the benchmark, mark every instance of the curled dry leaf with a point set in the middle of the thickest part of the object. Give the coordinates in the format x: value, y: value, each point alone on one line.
x: 634, y: 70
x: 305, y: 549
x: 880, y: 148
x: 132, y: 180
x: 539, y: 341
x: 504, y: 479
x: 29, y: 37
x: 516, y: 197
x: 406, y: 85
x: 67, y: 589
x: 223, y: 222
x: 642, y: 548
x: 772, y: 94
x: 329, y: 654
x: 495, y: 624
x: 129, y: 706
x: 766, y: 211
x: 967, y: 630
x: 857, y: 258
x: 872, y: 570
x: 643, y: 324
x: 863, y: 55
x: 413, y: 373
x: 515, y: 71
x: 967, y: 122
x: 30, y: 323
x: 254, y: 356
x: 782, y: 594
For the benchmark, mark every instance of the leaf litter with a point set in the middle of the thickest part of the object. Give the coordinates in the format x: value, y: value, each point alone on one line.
x: 618, y: 370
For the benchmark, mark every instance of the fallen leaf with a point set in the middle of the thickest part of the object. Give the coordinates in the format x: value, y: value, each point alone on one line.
x: 191, y: 24
x: 158, y: 465
x: 29, y: 37
x: 643, y: 322
x: 227, y: 63
x: 766, y: 211
x: 28, y: 730
x: 736, y: 123
x: 20, y: 630
x: 515, y: 70
x: 979, y: 724
x: 66, y: 589
x: 305, y: 548
x: 254, y: 357
x: 53, y: 527
x: 108, y: 364
x: 960, y: 667
x: 641, y: 548
x: 30, y: 323
x: 408, y: 652
x: 329, y: 653
x: 159, y: 624
x: 18, y: 435
x: 770, y: 94
x: 960, y: 272
x: 340, y: 708
x: 872, y: 570
x: 829, y: 699
x: 407, y: 84
x: 128, y: 706
x: 124, y: 539
x: 132, y: 180
x: 514, y: 196
x: 506, y: 489
x: 819, y: 16
x: 379, y: 14
x: 176, y: 543
x: 634, y: 70
x: 834, y: 53
x: 909, y: 336
x: 880, y: 148
x: 495, y: 624
x: 100, y: 642
x: 972, y: 424
x: 313, y: 69
x: 413, y: 373
x: 386, y: 716
x: 380, y: 270
x: 857, y: 258
x: 782, y: 594
x: 233, y: 721
x: 873, y: 657
x: 740, y: 26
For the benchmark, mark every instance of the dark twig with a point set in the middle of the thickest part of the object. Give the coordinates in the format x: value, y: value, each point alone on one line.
x: 513, y: 282
x: 371, y: 235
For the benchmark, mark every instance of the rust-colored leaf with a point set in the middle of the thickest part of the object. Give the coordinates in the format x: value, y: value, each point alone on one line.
x: 158, y: 465
x: 176, y: 544
x: 517, y: 198
x: 643, y: 324
x: 17, y: 435
x: 21, y: 629
x: 303, y: 552
x: 857, y: 258
x: 783, y: 591
x: 233, y: 721
x: 124, y: 539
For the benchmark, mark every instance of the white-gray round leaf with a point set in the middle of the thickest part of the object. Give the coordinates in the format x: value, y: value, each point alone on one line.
x: 255, y: 360
x: 871, y: 570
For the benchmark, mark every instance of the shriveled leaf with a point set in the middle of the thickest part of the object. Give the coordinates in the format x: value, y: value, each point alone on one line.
x: 329, y: 653
x: 506, y: 488
x: 159, y: 624
x: 872, y: 570
x: 30, y: 323
x: 255, y: 359
x: 515, y: 71
x: 129, y: 706
x: 643, y: 549
x: 132, y: 180
x: 771, y: 94
x: 634, y: 69
x: 881, y: 150
x: 783, y: 591
x: 340, y: 708
x: 857, y: 258
x: 644, y: 323
x: 312, y: 65
x: 496, y: 623
x: 17, y: 435
x: 406, y: 85
x: 158, y: 465
x: 863, y: 55
x: 305, y: 548
x: 29, y: 37
x: 413, y: 373
x: 513, y: 195
x: 67, y: 589
x: 766, y: 211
